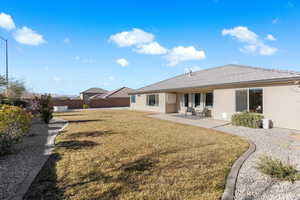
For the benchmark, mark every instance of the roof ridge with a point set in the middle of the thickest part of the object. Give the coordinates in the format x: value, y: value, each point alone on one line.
x: 267, y: 69
x: 184, y: 74
x: 114, y: 91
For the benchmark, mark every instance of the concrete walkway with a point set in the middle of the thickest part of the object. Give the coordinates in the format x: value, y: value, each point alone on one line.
x: 283, y: 144
x: 18, y: 169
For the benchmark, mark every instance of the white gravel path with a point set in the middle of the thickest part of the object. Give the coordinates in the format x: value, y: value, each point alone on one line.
x: 279, y: 143
x: 18, y: 169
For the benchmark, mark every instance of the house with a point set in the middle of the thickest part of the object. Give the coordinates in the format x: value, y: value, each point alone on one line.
x: 227, y: 90
x: 116, y: 98
x: 91, y: 92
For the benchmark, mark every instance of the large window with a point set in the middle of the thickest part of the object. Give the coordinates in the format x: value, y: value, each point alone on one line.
x: 209, y: 99
x: 186, y: 100
x: 256, y: 100
x: 241, y: 100
x: 153, y: 100
x: 132, y: 98
x: 197, y: 99
x: 249, y: 100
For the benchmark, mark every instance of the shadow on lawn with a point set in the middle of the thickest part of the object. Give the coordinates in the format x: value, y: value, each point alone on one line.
x: 92, y: 134
x: 76, y: 145
x: 45, y: 184
x: 131, y: 174
x: 82, y: 121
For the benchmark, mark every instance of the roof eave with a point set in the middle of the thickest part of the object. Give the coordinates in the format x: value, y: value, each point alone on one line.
x: 220, y: 85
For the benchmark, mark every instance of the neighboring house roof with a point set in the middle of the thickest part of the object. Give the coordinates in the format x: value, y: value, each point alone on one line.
x: 218, y: 76
x: 95, y: 90
x: 118, y: 93
x: 98, y: 96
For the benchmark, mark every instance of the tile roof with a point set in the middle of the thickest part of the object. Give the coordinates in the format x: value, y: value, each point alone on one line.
x: 217, y: 76
x: 117, y: 93
x: 95, y: 90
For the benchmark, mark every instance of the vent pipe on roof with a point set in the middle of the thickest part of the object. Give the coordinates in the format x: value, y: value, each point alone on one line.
x: 190, y: 72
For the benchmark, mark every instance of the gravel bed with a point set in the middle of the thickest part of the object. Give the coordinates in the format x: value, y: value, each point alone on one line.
x: 26, y: 157
x: 278, y: 143
x: 283, y: 144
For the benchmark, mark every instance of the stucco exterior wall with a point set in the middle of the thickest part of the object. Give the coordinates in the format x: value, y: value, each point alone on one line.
x: 281, y: 104
x: 141, y: 104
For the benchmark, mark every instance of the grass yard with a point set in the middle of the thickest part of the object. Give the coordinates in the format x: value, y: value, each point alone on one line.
x: 116, y: 154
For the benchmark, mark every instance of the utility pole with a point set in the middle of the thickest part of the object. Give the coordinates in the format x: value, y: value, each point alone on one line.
x: 6, y: 58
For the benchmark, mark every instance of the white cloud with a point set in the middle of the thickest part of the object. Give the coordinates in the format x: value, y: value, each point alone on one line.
x: 193, y: 69
x: 133, y: 37
x: 267, y: 50
x: 153, y: 48
x: 275, y: 21
x: 67, y: 40
x: 77, y: 58
x: 243, y: 34
x: 253, y: 43
x: 248, y: 48
x: 28, y: 36
x: 6, y: 22
x: 180, y: 53
x: 57, y: 79
x: 270, y: 37
x: 123, y: 62
x: 111, y: 78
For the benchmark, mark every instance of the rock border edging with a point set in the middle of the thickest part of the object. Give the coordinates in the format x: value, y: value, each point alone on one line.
x: 25, y: 185
x: 229, y: 192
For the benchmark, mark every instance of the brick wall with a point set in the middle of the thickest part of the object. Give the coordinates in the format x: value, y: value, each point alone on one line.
x: 71, y: 103
x: 95, y: 103
x: 111, y: 102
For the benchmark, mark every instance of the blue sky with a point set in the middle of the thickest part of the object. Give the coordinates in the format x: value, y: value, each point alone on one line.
x: 68, y: 46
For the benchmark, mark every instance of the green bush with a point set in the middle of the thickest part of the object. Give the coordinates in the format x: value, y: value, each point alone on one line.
x: 14, y: 124
x: 45, y: 108
x: 85, y: 106
x: 247, y: 119
x: 278, y: 169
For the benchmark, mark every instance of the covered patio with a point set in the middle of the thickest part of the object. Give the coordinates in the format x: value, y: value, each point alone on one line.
x: 193, y: 120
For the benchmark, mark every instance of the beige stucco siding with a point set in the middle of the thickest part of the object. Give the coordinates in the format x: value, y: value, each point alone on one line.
x: 163, y: 107
x: 281, y: 104
x: 224, y: 104
x: 141, y: 103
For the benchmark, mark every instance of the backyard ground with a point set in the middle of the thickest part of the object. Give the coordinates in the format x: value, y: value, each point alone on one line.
x: 121, y: 154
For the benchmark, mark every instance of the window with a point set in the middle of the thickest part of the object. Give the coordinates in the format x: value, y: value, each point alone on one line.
x: 132, y: 98
x: 209, y: 99
x: 152, y: 100
x: 256, y: 100
x: 186, y: 100
x: 241, y: 100
x: 249, y: 100
x: 197, y: 99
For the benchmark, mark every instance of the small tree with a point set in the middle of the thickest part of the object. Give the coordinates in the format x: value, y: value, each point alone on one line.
x: 45, y: 108
x: 15, y: 89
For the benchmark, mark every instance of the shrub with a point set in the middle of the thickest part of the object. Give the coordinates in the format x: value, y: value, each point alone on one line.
x: 247, y: 119
x: 14, y: 124
x: 45, y: 108
x: 278, y: 169
x: 85, y: 106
